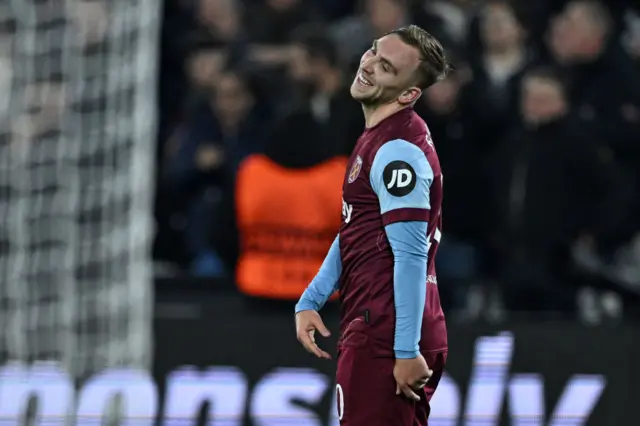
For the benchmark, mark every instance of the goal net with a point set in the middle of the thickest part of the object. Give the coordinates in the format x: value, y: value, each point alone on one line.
x: 77, y: 129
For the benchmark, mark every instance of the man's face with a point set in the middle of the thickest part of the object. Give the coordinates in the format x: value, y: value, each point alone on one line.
x: 387, y: 73
x: 385, y: 15
x: 231, y: 98
x: 499, y: 26
x: 221, y: 16
x: 204, y: 67
x: 542, y: 101
x: 571, y: 33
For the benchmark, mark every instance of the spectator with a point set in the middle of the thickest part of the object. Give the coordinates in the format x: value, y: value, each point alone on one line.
x: 459, y: 254
x: 270, y: 27
x: 606, y: 91
x: 324, y: 102
x: 221, y: 20
x: 286, y: 204
x: 204, y: 64
x: 606, y: 88
x: 552, y: 184
x: 455, y: 16
x: 202, y: 164
x: 354, y: 34
x: 492, y: 95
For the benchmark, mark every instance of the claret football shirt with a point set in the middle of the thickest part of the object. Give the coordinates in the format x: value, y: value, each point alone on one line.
x: 383, y: 260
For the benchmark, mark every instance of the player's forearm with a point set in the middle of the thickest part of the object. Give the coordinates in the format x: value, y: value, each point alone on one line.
x: 325, y: 282
x: 409, y: 245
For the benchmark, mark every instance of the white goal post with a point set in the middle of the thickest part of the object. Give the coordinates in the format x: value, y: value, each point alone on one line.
x: 77, y: 151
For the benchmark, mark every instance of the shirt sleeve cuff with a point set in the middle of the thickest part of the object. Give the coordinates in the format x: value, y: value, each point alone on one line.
x: 407, y: 354
x: 305, y: 305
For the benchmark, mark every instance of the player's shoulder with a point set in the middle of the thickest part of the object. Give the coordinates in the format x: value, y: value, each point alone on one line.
x: 408, y: 137
x: 400, y: 165
x: 407, y: 125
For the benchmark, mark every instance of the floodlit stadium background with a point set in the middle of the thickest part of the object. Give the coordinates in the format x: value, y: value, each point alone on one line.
x: 140, y: 277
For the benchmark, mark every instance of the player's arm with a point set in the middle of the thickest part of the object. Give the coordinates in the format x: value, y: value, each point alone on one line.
x: 325, y: 282
x: 401, y: 177
x: 314, y: 297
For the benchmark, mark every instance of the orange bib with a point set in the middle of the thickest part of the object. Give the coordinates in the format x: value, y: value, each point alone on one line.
x: 287, y: 219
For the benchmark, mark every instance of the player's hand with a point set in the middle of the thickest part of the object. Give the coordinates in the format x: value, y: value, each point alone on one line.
x: 307, y: 322
x: 411, y: 375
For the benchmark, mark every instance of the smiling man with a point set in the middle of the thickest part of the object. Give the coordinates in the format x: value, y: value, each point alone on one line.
x: 393, y: 343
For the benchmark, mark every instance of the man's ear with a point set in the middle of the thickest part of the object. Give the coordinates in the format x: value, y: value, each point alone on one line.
x: 409, y: 96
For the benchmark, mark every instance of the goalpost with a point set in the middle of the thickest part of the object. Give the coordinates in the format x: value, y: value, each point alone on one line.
x: 77, y: 150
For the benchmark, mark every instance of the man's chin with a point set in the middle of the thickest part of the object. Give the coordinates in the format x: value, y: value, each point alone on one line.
x: 359, y: 95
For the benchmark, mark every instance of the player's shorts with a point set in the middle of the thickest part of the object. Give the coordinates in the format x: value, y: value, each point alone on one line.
x: 366, y: 388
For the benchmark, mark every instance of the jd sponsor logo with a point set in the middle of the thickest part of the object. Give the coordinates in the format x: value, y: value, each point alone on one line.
x: 282, y: 397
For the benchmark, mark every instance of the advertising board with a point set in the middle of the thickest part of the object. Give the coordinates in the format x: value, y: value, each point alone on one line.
x: 222, y: 361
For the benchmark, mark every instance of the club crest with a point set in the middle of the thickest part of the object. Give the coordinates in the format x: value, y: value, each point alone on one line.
x: 355, y: 169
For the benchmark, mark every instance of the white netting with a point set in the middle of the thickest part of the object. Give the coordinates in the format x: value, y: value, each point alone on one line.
x: 77, y: 128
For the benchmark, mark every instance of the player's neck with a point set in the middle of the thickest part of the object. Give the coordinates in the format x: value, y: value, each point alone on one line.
x: 375, y: 115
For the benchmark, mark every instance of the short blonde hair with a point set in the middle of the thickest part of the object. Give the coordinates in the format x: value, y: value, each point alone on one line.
x: 434, y: 65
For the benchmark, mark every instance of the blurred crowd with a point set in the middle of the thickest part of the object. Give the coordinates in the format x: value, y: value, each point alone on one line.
x: 537, y: 130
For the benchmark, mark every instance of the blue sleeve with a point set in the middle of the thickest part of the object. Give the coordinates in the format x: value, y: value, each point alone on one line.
x: 325, y: 283
x: 401, y: 176
x: 408, y: 242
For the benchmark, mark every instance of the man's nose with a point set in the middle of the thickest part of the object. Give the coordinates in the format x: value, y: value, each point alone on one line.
x: 367, y: 65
